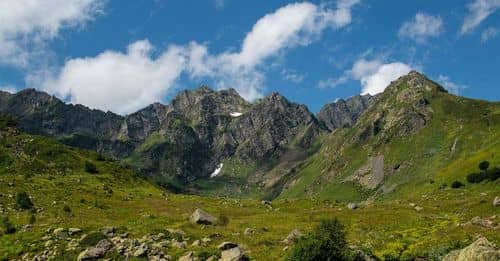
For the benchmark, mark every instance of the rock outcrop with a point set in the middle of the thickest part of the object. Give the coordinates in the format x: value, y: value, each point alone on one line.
x: 344, y: 113
x: 480, y: 250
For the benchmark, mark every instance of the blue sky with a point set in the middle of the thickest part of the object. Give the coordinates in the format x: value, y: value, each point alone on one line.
x: 122, y: 55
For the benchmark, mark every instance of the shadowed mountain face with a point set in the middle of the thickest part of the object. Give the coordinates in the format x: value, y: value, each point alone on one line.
x: 182, y: 141
x: 344, y: 113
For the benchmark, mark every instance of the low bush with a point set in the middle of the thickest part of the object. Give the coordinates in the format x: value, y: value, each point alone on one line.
x: 476, y: 177
x: 457, y: 184
x: 326, y: 242
x: 90, y: 167
x: 8, y: 228
x: 23, y: 201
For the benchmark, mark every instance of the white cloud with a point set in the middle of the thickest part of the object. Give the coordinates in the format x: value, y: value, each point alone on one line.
x: 125, y: 82
x: 25, y: 25
x: 479, y: 10
x: 290, y: 26
x: 8, y: 88
x: 374, y: 75
x: 488, y: 34
x: 120, y: 82
x: 422, y: 27
x: 452, y: 87
x: 292, y: 76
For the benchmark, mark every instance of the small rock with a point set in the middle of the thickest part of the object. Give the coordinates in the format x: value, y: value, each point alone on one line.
x: 201, y: 217
x: 61, y: 233
x: 233, y: 254
x: 196, y: 243
x: 108, y: 231
x: 176, y: 231
x: 227, y: 245
x: 496, y: 202
x: 413, y: 205
x: 142, y: 250
x: 187, y: 257
x: 249, y: 231
x: 95, y: 252
x: 293, y: 237
x: 73, y: 231
x: 352, y: 205
x: 180, y: 245
x: 418, y: 209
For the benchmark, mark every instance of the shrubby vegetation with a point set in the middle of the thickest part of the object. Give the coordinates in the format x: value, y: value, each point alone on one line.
x: 326, y: 242
x: 7, y: 227
x: 90, y: 167
x: 23, y: 201
x: 485, y: 173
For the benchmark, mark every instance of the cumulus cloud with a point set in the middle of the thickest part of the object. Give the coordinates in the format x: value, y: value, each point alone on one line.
x: 8, y: 88
x: 120, y: 82
x: 452, y: 87
x: 125, y: 82
x: 290, y: 26
x: 479, y: 10
x: 488, y: 34
x: 25, y: 25
x: 422, y: 27
x: 374, y: 75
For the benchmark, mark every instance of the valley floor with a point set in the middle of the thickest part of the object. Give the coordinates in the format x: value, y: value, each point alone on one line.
x: 427, y: 225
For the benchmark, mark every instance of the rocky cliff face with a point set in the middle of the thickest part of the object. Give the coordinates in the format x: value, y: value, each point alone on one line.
x: 184, y: 140
x: 344, y: 113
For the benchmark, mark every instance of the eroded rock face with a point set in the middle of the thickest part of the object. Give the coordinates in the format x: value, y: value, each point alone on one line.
x: 480, y: 250
x: 344, y: 113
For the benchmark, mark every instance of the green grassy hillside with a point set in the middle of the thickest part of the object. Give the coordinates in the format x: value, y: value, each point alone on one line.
x: 426, y: 139
x: 65, y: 195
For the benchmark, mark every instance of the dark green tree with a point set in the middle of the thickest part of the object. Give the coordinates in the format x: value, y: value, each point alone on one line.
x: 484, y: 165
x: 326, y: 242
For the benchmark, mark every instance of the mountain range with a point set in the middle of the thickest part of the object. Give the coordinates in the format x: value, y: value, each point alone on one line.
x: 215, y: 142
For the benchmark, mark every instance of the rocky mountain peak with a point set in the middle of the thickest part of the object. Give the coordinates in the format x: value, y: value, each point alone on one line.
x: 344, y: 113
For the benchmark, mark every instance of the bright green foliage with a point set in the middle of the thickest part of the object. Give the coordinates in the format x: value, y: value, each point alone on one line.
x: 326, y: 242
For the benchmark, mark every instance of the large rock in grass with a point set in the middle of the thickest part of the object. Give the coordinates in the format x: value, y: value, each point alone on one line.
x: 233, y: 254
x: 496, y: 202
x: 481, y: 250
x: 293, y: 237
x: 201, y: 217
x: 96, y: 252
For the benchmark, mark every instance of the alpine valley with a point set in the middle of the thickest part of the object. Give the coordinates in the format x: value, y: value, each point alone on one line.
x: 412, y: 173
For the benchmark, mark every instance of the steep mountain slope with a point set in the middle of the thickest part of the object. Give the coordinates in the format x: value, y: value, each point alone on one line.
x: 176, y: 143
x: 345, y: 113
x: 415, y: 138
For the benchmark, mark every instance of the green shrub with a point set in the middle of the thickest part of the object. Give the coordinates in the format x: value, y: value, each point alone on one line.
x: 90, y: 167
x: 476, y: 177
x: 67, y: 209
x: 484, y: 165
x: 494, y: 174
x: 23, y: 201
x: 457, y: 184
x: 326, y: 242
x: 7, y: 227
